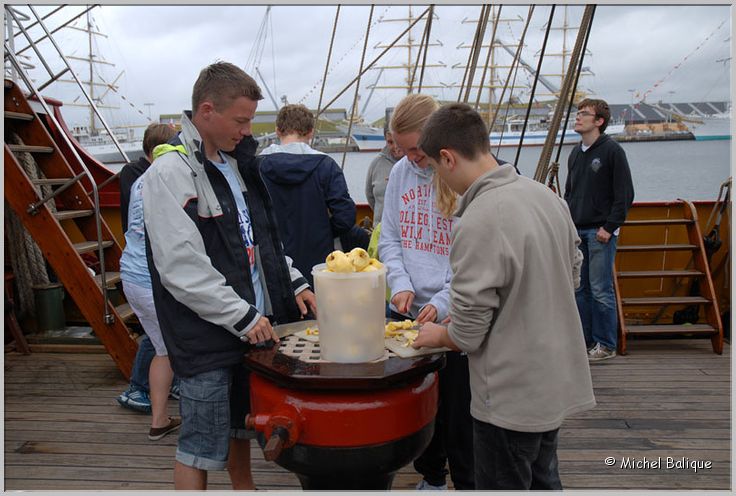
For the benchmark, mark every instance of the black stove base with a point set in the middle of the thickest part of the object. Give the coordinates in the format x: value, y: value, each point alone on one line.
x: 362, y: 467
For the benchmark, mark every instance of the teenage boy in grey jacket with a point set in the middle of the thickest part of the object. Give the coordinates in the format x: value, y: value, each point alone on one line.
x: 515, y: 265
x: 218, y: 271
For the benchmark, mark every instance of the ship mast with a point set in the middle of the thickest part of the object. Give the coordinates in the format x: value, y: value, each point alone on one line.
x: 410, y: 64
x: 564, y: 57
x: 90, y: 60
x: 495, y: 69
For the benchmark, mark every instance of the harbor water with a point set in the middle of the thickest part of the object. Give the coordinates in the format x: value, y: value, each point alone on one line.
x: 661, y: 170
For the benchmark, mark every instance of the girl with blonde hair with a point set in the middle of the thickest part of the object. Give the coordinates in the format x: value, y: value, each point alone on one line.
x: 416, y: 232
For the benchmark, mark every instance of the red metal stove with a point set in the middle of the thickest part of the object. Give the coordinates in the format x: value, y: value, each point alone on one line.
x: 341, y: 426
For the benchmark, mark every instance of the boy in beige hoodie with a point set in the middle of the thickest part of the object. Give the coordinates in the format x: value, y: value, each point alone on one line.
x: 515, y: 265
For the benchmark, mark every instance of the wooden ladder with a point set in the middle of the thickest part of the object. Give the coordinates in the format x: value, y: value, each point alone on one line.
x: 628, y: 284
x: 75, y: 219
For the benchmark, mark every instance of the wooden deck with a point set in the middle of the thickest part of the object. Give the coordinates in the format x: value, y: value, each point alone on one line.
x: 64, y: 430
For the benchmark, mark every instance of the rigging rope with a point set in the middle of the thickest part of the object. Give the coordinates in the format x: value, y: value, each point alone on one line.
x: 514, y: 66
x: 534, y: 84
x: 553, y: 181
x: 324, y: 78
x: 485, y: 68
x: 485, y: 13
x: 678, y: 65
x: 471, y: 55
x: 426, y: 47
x: 357, y: 88
x: 322, y: 81
x: 542, y: 170
x: 423, y: 47
x: 373, y: 62
x: 26, y: 258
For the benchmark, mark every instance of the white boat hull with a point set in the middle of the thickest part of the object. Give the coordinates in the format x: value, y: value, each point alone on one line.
x: 717, y: 127
x: 538, y: 138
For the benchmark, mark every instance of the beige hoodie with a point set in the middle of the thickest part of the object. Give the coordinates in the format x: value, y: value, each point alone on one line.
x: 515, y: 264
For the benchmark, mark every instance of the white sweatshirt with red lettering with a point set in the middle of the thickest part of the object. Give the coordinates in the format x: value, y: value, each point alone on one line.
x: 415, y: 239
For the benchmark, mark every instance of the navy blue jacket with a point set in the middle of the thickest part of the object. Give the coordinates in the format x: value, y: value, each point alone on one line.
x: 312, y: 205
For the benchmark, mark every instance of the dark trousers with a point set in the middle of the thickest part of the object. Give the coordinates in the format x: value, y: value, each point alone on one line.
x: 452, y: 442
x: 141, y: 364
x: 511, y: 460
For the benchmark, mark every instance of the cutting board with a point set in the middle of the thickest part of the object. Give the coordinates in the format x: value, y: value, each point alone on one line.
x: 407, y: 351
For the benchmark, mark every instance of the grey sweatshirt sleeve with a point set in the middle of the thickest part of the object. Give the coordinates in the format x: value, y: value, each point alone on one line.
x: 179, y: 253
x: 389, y: 244
x: 370, y: 197
x: 479, y: 269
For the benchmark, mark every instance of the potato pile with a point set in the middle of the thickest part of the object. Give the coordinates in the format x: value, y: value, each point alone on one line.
x: 402, y: 331
x: 357, y: 260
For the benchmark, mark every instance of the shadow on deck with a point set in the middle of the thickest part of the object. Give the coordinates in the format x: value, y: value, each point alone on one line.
x: 64, y: 429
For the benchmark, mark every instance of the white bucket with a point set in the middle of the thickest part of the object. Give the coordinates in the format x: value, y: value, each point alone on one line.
x: 351, y: 309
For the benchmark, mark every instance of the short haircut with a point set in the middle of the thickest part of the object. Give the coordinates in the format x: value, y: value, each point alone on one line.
x: 458, y: 127
x: 412, y: 112
x: 156, y: 134
x: 295, y: 118
x: 601, y: 110
x: 222, y: 83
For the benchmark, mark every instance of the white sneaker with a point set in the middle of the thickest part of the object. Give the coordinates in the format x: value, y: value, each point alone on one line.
x: 598, y: 353
x: 423, y: 485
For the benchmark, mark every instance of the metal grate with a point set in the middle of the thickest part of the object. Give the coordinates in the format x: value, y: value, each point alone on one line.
x: 308, y: 351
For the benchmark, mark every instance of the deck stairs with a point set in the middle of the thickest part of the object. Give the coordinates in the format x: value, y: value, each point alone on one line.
x: 666, y: 277
x: 70, y: 230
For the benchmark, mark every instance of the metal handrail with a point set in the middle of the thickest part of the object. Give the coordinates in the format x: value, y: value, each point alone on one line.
x: 33, y: 208
x: 79, y: 83
x: 33, y: 45
x: 109, y: 318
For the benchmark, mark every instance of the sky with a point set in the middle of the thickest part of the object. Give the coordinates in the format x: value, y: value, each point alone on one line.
x: 670, y: 53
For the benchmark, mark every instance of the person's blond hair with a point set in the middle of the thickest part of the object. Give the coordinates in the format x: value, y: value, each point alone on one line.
x: 410, y: 115
x: 412, y: 112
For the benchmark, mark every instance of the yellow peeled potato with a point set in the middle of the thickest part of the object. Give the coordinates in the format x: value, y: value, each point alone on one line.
x: 375, y: 263
x: 338, y: 261
x: 359, y: 258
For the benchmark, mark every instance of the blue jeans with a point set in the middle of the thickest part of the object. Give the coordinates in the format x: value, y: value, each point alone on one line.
x: 141, y: 364
x: 511, y: 460
x: 213, y: 406
x: 595, y: 297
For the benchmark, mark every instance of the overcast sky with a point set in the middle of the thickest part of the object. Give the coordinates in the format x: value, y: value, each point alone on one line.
x: 633, y: 51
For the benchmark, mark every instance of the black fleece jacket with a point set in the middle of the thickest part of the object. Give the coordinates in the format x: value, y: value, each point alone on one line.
x: 598, y: 189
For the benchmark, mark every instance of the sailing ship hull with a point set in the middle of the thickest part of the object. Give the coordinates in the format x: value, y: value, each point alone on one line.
x: 538, y: 137
x: 712, y: 128
x: 108, y: 153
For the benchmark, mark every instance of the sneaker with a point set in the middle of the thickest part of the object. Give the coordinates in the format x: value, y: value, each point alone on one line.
x: 157, y: 433
x: 135, y: 399
x: 599, y: 352
x: 174, y: 392
x: 423, y: 485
